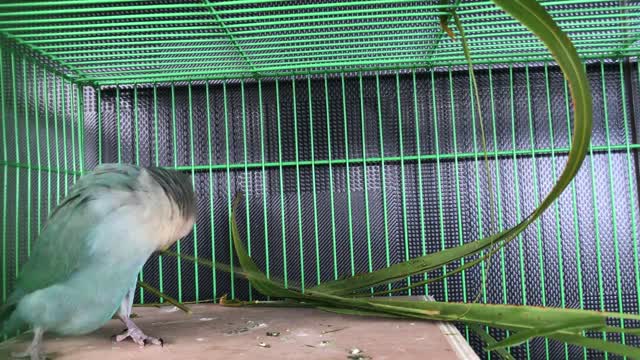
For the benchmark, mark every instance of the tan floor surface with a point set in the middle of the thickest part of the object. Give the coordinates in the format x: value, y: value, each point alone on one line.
x: 216, y: 332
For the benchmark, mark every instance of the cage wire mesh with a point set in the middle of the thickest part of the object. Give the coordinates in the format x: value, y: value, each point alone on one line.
x: 349, y: 125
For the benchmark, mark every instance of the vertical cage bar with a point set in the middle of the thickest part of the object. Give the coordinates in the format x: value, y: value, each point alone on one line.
x: 416, y: 112
x: 5, y: 185
x: 282, y: 222
x: 330, y: 160
x: 556, y: 206
x: 264, y: 182
x: 472, y: 103
x: 80, y: 115
x: 211, y: 207
x: 383, y: 179
x: 500, y: 224
x: 482, y: 288
x: 246, y: 175
x: 45, y: 95
x: 27, y: 133
x: 630, y: 176
x: 136, y: 124
x: 498, y: 184
x: 17, y: 144
x: 118, y: 117
x: 55, y: 126
x: 523, y: 281
x: 456, y: 165
x: 72, y: 131
x: 614, y: 217
x: 536, y: 195
x: 365, y: 177
x: 403, y: 198
x: 434, y: 105
x: 313, y: 181
x: 297, y: 161
x: 228, y: 173
x: 596, y: 223
x: 157, y: 163
x: 175, y: 165
x: 574, y: 207
x: 99, y: 110
x: 137, y: 160
x: 63, y: 113
x: 193, y: 184
x: 348, y: 172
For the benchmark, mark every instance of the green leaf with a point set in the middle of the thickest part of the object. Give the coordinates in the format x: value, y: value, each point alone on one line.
x: 411, y: 267
x: 162, y: 295
x: 343, y: 311
x: 533, y: 16
x: 598, y: 344
x: 444, y: 21
x: 489, y: 340
x: 514, y: 318
x: 522, y: 336
x: 251, y: 271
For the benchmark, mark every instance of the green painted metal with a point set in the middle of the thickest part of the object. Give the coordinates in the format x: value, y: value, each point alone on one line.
x: 614, y: 217
x: 632, y: 210
x: 5, y: 185
x: 16, y: 133
x: 246, y: 174
x: 523, y: 284
x: 302, y: 48
x: 255, y: 36
x: 193, y: 183
x: 211, y: 198
x: 297, y: 161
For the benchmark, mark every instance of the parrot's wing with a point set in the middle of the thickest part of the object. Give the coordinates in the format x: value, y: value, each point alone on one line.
x: 64, y: 245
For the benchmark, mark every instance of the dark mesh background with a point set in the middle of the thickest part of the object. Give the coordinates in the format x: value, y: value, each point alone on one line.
x: 606, y: 183
x: 580, y: 225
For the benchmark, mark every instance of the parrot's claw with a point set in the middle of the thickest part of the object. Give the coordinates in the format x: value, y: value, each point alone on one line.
x: 138, y: 337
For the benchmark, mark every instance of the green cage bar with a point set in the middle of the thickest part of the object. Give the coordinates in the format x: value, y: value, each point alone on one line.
x: 351, y: 129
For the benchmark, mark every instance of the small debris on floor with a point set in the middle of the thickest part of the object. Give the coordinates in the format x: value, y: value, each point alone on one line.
x: 333, y: 330
x: 250, y: 326
x: 300, y: 336
x: 357, y: 354
x: 253, y: 324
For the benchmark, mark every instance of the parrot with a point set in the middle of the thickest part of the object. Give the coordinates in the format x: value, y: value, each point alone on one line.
x: 85, y: 263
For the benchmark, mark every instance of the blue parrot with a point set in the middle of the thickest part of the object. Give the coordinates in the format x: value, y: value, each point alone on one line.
x: 84, y: 265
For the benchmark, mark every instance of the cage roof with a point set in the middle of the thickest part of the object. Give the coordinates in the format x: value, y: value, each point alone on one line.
x: 128, y: 41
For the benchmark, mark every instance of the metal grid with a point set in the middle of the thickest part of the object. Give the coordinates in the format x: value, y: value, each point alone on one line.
x: 348, y: 165
x: 124, y: 41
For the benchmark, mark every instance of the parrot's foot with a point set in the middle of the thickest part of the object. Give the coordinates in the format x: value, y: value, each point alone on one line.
x: 34, y: 351
x: 138, y: 337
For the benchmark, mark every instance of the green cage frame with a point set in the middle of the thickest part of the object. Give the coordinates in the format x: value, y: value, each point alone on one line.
x: 46, y: 46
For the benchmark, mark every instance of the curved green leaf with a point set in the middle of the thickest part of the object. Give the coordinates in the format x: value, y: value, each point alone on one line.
x: 533, y: 16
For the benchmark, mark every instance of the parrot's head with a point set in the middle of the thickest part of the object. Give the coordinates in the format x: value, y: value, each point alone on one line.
x: 178, y: 189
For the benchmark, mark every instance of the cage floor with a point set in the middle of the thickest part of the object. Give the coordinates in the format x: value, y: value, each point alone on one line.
x: 213, y: 331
